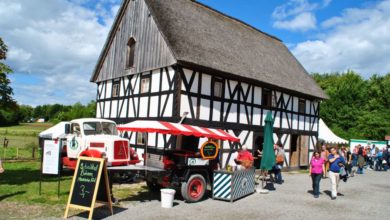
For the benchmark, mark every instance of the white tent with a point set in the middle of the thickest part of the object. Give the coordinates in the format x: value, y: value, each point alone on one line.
x: 325, y: 134
x: 57, y: 131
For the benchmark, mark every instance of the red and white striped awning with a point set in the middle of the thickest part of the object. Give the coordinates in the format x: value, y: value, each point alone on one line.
x: 164, y: 127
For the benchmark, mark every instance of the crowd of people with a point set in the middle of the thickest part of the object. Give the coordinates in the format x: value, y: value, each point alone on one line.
x: 341, y: 163
x: 331, y: 162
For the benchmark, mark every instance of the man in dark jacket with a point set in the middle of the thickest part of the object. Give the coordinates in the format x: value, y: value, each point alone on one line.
x: 385, y: 157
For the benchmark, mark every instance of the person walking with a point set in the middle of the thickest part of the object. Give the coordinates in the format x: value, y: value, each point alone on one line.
x: 279, y: 153
x: 316, y: 170
x: 348, y: 166
x: 385, y: 158
x: 335, y: 164
x: 361, y: 161
x: 325, y: 155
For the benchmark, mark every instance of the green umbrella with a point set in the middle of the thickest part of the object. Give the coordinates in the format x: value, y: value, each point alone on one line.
x: 268, y: 158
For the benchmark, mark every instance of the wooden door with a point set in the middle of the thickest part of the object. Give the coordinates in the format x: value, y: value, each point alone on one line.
x: 294, y: 151
x: 303, y: 142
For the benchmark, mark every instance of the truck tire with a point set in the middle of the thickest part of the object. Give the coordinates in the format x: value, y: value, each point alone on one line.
x: 194, y: 189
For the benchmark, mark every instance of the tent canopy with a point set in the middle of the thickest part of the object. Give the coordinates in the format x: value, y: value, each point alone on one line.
x: 57, y: 131
x: 164, y: 127
x: 325, y: 134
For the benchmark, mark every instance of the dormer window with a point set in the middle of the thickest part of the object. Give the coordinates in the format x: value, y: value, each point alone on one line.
x: 130, y: 53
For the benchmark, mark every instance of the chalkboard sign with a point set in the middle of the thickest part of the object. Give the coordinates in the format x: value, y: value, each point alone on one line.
x: 89, y: 185
x: 209, y: 150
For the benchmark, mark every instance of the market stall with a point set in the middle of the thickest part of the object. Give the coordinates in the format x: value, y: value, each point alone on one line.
x: 195, y: 167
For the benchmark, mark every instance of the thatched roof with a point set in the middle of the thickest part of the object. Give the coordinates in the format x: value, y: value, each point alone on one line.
x: 202, y: 36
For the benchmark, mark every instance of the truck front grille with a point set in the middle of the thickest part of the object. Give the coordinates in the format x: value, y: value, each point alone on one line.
x: 121, y: 150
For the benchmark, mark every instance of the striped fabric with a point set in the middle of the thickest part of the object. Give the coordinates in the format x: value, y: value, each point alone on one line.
x: 243, y: 183
x: 222, y: 186
x: 231, y: 186
x: 164, y: 127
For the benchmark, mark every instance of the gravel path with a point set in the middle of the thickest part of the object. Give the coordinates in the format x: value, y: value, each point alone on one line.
x: 365, y: 196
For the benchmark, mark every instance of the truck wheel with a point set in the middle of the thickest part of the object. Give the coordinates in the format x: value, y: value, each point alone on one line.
x: 153, y: 186
x: 194, y: 189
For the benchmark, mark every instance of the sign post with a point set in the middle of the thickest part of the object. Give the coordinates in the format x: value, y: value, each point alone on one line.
x: 50, y: 162
x: 89, y: 186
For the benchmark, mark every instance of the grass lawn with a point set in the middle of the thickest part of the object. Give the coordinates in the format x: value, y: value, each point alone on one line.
x: 25, y: 129
x: 19, y: 192
x: 21, y: 140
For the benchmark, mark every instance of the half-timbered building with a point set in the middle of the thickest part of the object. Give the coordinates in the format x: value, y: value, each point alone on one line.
x: 165, y: 58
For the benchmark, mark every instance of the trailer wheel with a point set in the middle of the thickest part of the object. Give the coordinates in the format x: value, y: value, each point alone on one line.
x: 194, y: 189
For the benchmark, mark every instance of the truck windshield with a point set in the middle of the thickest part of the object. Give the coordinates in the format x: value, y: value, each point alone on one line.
x: 92, y: 128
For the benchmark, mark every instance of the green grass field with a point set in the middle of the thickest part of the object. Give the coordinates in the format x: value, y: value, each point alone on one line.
x: 19, y: 191
x: 19, y: 184
x: 25, y: 129
x: 21, y: 140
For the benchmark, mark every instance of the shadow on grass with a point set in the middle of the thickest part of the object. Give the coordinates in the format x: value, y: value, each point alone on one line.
x: 25, y: 175
x: 11, y: 194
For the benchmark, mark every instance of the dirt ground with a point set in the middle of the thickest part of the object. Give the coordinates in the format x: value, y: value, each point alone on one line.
x: 365, y: 196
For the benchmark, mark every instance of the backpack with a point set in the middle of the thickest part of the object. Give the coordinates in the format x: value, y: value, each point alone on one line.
x: 280, y: 159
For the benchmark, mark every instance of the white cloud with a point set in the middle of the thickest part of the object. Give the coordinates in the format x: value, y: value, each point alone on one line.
x: 359, y: 40
x: 297, y: 15
x: 58, y: 42
x: 301, y: 22
x: 292, y: 8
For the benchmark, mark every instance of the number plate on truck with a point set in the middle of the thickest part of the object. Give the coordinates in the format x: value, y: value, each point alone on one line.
x: 197, y: 162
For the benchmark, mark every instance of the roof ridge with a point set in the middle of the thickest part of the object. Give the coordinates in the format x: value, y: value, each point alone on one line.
x: 236, y: 20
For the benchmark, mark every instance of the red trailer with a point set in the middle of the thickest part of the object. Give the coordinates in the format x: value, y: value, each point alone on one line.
x: 191, y: 169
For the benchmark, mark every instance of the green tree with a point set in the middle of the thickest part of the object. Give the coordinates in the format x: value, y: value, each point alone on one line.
x: 356, y: 108
x: 8, y: 106
x: 6, y: 92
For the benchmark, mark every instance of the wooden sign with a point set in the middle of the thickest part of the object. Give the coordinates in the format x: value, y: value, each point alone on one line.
x: 209, y: 150
x: 89, y: 186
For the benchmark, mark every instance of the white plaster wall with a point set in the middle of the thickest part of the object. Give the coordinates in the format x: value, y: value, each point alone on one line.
x: 155, y: 81
x: 257, y: 95
x: 143, y: 108
x: 204, y: 109
x: 206, y: 84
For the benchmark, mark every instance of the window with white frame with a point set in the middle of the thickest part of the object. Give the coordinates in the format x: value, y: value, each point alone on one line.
x: 218, y: 88
x: 301, y: 106
x: 115, y: 89
x: 145, y: 84
x: 141, y: 138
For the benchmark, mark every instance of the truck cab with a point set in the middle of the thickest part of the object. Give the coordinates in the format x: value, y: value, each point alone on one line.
x: 93, y: 137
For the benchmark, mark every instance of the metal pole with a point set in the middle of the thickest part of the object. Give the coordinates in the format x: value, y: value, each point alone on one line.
x: 146, y: 152
x: 59, y: 169
x: 59, y: 182
x: 40, y: 173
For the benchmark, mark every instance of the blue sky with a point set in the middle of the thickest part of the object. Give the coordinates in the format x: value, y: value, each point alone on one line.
x: 54, y: 44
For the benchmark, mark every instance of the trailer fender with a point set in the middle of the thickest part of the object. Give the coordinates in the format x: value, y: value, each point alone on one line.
x: 203, y: 172
x: 91, y: 153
